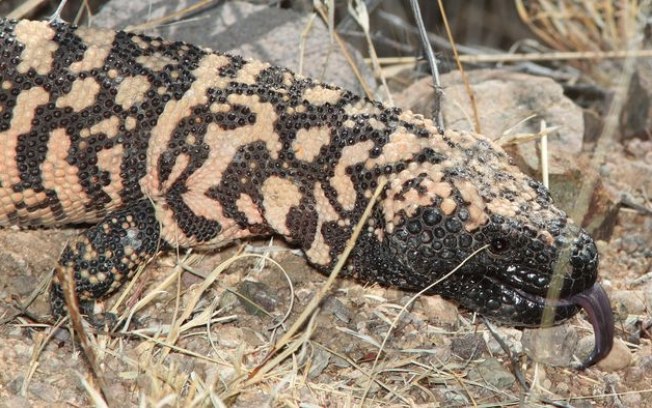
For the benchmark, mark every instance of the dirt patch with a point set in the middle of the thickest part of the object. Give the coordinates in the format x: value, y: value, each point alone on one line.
x: 367, y: 346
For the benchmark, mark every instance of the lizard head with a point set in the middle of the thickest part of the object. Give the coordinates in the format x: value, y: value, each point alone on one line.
x: 494, y: 235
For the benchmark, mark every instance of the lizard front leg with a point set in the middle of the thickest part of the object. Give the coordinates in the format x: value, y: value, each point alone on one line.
x: 102, y: 258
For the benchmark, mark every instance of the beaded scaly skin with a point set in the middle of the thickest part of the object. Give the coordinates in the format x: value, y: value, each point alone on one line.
x: 162, y: 144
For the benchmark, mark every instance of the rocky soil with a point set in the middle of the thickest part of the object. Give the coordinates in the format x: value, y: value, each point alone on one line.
x: 198, y: 342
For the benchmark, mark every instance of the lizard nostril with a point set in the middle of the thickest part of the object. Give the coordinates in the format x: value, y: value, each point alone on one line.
x: 584, y: 252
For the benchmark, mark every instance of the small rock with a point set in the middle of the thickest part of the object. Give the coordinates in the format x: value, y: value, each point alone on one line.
x: 468, y: 346
x: 252, y: 338
x: 438, y: 310
x: 638, y: 149
x: 636, y: 329
x: 619, y: 358
x: 645, y: 362
x: 43, y: 391
x: 634, y: 374
x: 62, y: 334
x: 633, y: 242
x: 634, y: 116
x: 256, y: 295
x: 455, y: 398
x: 562, y: 389
x: 225, y: 372
x: 319, y: 361
x: 230, y: 336
x: 552, y: 345
x: 631, y: 399
x: 581, y: 403
x: 14, y: 386
x: 270, y: 34
x: 632, y: 301
x: 492, y: 372
x: 334, y: 306
x: 339, y: 362
x: 510, y: 336
x: 228, y: 300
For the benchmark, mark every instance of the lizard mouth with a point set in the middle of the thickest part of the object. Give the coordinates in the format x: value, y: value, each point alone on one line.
x: 595, y: 302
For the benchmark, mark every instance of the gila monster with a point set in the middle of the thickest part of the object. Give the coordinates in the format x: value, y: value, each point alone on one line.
x: 161, y: 144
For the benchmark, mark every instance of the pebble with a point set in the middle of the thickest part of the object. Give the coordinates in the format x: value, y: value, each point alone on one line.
x: 334, y: 306
x: 628, y: 301
x: 260, y: 294
x: 468, y: 346
x: 228, y: 300
x: 455, y: 398
x: 581, y: 403
x: 562, y: 389
x: 632, y: 399
x: 510, y: 336
x: 552, y: 345
x: 645, y: 362
x: 319, y: 360
x: 619, y: 358
x: 438, y: 310
x: 230, y: 337
x: 634, y: 242
x: 492, y: 372
x: 252, y: 337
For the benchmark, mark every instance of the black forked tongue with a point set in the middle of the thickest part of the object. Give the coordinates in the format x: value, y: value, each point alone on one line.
x: 596, y: 304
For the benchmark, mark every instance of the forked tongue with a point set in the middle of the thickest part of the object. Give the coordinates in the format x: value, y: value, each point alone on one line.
x: 596, y: 304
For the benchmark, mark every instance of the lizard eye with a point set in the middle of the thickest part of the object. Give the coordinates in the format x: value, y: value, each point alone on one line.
x: 499, y: 245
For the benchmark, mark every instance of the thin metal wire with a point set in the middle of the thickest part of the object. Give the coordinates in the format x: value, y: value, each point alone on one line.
x: 56, y: 16
x: 432, y: 62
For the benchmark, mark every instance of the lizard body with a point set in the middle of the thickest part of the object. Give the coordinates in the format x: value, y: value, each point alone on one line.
x: 162, y: 144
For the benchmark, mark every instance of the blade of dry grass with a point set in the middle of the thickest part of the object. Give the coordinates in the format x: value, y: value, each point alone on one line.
x: 358, y: 10
x: 177, y: 15
x: 345, y: 52
x: 544, y: 154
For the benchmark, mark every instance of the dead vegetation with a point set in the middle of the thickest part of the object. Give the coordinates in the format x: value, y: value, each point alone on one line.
x: 193, y: 333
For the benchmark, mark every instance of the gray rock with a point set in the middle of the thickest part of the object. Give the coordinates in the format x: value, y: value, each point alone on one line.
x: 338, y: 309
x: 503, y: 99
x: 438, y: 310
x: 256, y: 295
x: 455, y: 398
x: 254, y: 31
x: 633, y: 301
x: 319, y: 360
x: 493, y: 373
x: 619, y: 358
x: 552, y: 345
x: 468, y: 346
x: 510, y: 336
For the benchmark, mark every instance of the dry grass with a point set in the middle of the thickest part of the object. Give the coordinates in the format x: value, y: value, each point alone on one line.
x: 578, y: 25
x: 588, y: 26
x: 155, y: 360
